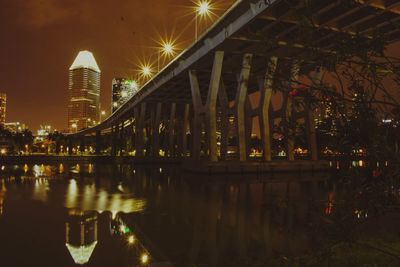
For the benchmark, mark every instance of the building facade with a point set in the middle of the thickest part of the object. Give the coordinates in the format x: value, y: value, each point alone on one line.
x: 83, y: 92
x: 122, y: 90
x: 3, y: 105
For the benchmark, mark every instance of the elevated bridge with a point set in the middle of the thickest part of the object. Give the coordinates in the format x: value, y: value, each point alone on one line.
x: 196, y: 103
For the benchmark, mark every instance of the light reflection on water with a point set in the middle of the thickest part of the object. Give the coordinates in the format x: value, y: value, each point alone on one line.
x: 188, y: 219
x: 88, y: 197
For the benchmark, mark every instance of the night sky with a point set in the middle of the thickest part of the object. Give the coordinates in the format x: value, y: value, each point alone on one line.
x: 41, y: 38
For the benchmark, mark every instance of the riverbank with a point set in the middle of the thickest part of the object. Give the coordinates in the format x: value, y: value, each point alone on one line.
x: 201, y: 167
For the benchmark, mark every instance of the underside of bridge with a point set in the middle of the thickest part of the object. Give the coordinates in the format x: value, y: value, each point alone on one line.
x: 200, y: 105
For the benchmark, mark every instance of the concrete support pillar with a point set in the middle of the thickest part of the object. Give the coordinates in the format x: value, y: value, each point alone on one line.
x: 185, y: 125
x: 265, y: 106
x: 70, y: 145
x: 156, y: 131
x: 128, y: 137
x: 241, y: 98
x: 248, y: 125
x: 82, y: 144
x: 211, y: 105
x: 197, y: 110
x: 171, y: 131
x: 139, y: 130
x: 152, y: 108
x: 224, y: 106
x: 121, y: 139
x: 114, y: 146
x: 98, y: 142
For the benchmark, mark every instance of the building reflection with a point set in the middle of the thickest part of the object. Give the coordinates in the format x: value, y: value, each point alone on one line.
x: 2, y: 196
x: 81, y: 235
x: 89, y: 197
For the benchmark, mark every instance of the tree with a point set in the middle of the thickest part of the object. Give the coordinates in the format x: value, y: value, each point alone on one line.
x: 353, y: 77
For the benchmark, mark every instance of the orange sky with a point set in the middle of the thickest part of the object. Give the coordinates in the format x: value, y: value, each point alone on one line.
x: 41, y: 38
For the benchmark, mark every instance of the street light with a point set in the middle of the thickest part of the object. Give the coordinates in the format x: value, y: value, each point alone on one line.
x: 167, y: 50
x: 146, y: 71
x: 75, y: 127
x: 203, y: 8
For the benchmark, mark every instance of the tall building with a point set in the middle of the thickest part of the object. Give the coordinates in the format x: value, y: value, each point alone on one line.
x: 3, y: 103
x: 84, y: 92
x: 122, y: 90
x: 16, y: 127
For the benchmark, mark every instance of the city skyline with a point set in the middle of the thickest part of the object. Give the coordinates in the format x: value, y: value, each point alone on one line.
x: 52, y: 33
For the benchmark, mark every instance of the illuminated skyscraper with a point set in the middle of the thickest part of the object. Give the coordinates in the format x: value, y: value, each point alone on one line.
x: 122, y: 90
x: 3, y: 102
x: 84, y: 92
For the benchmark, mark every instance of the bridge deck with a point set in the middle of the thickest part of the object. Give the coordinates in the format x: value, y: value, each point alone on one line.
x: 251, y: 26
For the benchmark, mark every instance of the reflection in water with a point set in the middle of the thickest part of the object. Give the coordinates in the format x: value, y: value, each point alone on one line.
x: 189, y: 221
x: 81, y: 235
x: 72, y: 194
x: 77, y: 169
x: 2, y: 195
x: 120, y: 229
x: 26, y: 168
x: 87, y: 197
x: 41, y: 171
x: 61, y: 168
x: 40, y: 189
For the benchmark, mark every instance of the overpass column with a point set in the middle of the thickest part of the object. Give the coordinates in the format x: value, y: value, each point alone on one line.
x: 121, y: 140
x: 155, y: 141
x: 171, y: 131
x: 264, y: 108
x: 210, y: 109
x: 139, y: 129
x: 98, y: 142
x: 241, y: 98
x: 198, y: 110
x: 70, y: 145
x: 211, y: 105
x: 185, y: 125
x: 82, y: 144
x: 224, y: 105
x: 114, y: 134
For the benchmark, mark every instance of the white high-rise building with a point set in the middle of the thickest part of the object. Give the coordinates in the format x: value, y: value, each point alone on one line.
x: 83, y: 92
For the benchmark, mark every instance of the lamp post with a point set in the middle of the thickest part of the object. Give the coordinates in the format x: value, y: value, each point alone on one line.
x: 74, y: 126
x: 102, y: 115
x: 167, y: 49
x: 146, y: 71
x: 202, y: 9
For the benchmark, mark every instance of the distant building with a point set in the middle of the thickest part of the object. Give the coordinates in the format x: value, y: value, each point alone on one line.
x: 43, y: 133
x: 3, y: 103
x: 15, y: 127
x: 84, y: 92
x: 122, y: 90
